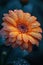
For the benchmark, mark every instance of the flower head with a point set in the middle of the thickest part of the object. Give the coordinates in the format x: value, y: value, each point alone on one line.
x: 21, y: 29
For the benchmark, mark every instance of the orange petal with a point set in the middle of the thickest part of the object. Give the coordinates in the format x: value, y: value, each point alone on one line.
x: 10, y: 20
x: 37, y: 29
x: 10, y: 29
x: 19, y: 37
x: 15, y: 11
x: 3, y: 24
x: 36, y: 35
x: 5, y: 14
x: 32, y: 19
x: 20, y: 15
x: 25, y: 38
x: 6, y: 24
x: 13, y: 15
x: 2, y: 31
x: 32, y: 40
x: 27, y: 16
x: 13, y: 34
x: 35, y: 24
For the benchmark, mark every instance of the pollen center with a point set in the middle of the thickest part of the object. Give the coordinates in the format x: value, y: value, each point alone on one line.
x: 22, y: 28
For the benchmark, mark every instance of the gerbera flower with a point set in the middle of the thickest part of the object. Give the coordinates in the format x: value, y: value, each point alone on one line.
x: 21, y: 29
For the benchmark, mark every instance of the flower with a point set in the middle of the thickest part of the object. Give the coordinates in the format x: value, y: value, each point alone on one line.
x: 21, y: 29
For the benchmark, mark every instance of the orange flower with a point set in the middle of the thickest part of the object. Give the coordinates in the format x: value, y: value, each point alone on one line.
x: 21, y: 29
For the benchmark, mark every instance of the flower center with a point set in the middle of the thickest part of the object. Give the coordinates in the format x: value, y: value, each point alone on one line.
x: 22, y: 28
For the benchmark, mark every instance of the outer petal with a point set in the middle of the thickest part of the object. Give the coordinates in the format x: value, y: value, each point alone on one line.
x: 13, y: 15
x: 36, y: 35
x: 37, y: 29
x: 6, y: 14
x: 6, y: 24
x: 35, y: 24
x: 27, y: 16
x: 33, y: 40
x: 10, y: 29
x: 20, y: 15
x: 10, y: 20
x: 32, y: 19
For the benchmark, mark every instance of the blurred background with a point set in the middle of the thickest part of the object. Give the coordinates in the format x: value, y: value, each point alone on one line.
x: 15, y: 56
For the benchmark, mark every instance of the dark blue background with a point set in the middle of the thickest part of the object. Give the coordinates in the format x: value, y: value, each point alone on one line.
x: 7, y: 54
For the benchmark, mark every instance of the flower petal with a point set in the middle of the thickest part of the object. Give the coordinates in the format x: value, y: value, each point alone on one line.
x: 32, y: 19
x: 13, y: 34
x: 35, y: 24
x: 37, y: 29
x: 33, y: 40
x: 25, y: 38
x: 6, y: 14
x: 19, y: 37
x: 10, y: 29
x: 13, y: 15
x: 6, y: 24
x: 36, y: 35
x: 10, y: 20
x: 27, y: 16
x: 20, y: 15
